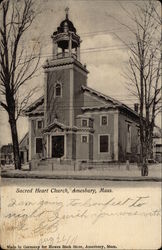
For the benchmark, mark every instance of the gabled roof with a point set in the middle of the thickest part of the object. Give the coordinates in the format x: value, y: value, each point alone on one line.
x: 115, y: 103
x: 100, y: 95
x: 36, y: 109
x: 34, y: 105
x: 58, y: 124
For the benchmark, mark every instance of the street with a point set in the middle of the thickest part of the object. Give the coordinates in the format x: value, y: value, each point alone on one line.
x: 79, y: 183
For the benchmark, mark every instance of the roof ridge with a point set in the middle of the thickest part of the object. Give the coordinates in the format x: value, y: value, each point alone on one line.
x: 100, y: 93
x: 110, y: 98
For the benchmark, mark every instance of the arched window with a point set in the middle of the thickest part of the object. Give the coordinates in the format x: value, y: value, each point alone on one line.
x: 58, y: 89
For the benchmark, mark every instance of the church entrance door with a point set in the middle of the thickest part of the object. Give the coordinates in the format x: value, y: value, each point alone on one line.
x: 57, y: 146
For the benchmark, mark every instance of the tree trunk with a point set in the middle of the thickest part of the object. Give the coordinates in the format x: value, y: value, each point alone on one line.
x: 143, y: 127
x: 144, y: 167
x: 151, y: 156
x: 15, y: 142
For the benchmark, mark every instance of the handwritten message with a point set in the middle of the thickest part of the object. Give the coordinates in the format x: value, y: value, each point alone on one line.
x: 49, y: 218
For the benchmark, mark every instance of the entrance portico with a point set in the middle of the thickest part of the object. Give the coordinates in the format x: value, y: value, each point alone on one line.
x: 58, y: 141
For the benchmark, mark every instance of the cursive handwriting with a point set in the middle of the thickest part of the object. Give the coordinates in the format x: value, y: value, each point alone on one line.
x: 50, y: 216
x: 58, y: 239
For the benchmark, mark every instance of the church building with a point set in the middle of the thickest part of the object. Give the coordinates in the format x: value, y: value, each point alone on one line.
x: 73, y: 122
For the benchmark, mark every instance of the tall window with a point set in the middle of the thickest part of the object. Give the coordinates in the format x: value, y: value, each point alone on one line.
x: 58, y: 89
x: 39, y: 145
x: 128, y: 138
x: 104, y: 144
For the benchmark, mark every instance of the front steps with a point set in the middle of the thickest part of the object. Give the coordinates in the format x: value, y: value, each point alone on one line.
x: 53, y: 164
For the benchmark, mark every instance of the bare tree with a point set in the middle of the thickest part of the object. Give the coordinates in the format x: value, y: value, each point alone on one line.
x: 17, y: 64
x: 143, y: 70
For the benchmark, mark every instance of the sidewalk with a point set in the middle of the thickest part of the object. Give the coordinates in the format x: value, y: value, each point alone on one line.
x: 116, y: 174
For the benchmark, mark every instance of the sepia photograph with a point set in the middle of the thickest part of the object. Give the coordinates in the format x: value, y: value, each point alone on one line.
x: 80, y: 124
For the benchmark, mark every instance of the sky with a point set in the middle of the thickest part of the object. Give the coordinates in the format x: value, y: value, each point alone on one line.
x: 102, y: 51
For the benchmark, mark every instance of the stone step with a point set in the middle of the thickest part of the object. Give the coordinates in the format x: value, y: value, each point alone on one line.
x: 53, y: 165
x: 56, y: 161
x: 50, y: 168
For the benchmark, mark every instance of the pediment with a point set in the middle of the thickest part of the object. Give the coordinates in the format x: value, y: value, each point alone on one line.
x: 55, y: 127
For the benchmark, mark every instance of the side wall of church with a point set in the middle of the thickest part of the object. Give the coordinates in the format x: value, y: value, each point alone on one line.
x: 124, y: 154
x: 103, y: 130
x: 34, y: 132
x: 84, y: 150
x: 71, y: 146
x: 91, y: 150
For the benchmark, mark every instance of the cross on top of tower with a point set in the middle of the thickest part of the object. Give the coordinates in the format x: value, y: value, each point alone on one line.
x: 67, y: 12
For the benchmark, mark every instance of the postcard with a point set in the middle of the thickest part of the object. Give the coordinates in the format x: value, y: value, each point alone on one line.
x: 80, y: 135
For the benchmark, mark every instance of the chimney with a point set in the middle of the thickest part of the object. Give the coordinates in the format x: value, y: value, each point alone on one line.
x: 136, y: 105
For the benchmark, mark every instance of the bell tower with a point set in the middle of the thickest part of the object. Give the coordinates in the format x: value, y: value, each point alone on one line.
x: 64, y: 76
x: 66, y: 42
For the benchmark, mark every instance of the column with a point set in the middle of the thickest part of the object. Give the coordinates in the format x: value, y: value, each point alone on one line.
x: 47, y: 147
x: 30, y: 132
x: 50, y: 146
x: 78, y: 53
x: 45, y: 99
x: 71, y: 109
x: 70, y: 45
x: 65, y: 146
x: 25, y: 156
x: 55, y: 49
x: 63, y: 52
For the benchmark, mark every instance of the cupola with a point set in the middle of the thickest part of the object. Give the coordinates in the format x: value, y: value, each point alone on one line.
x: 66, y: 42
